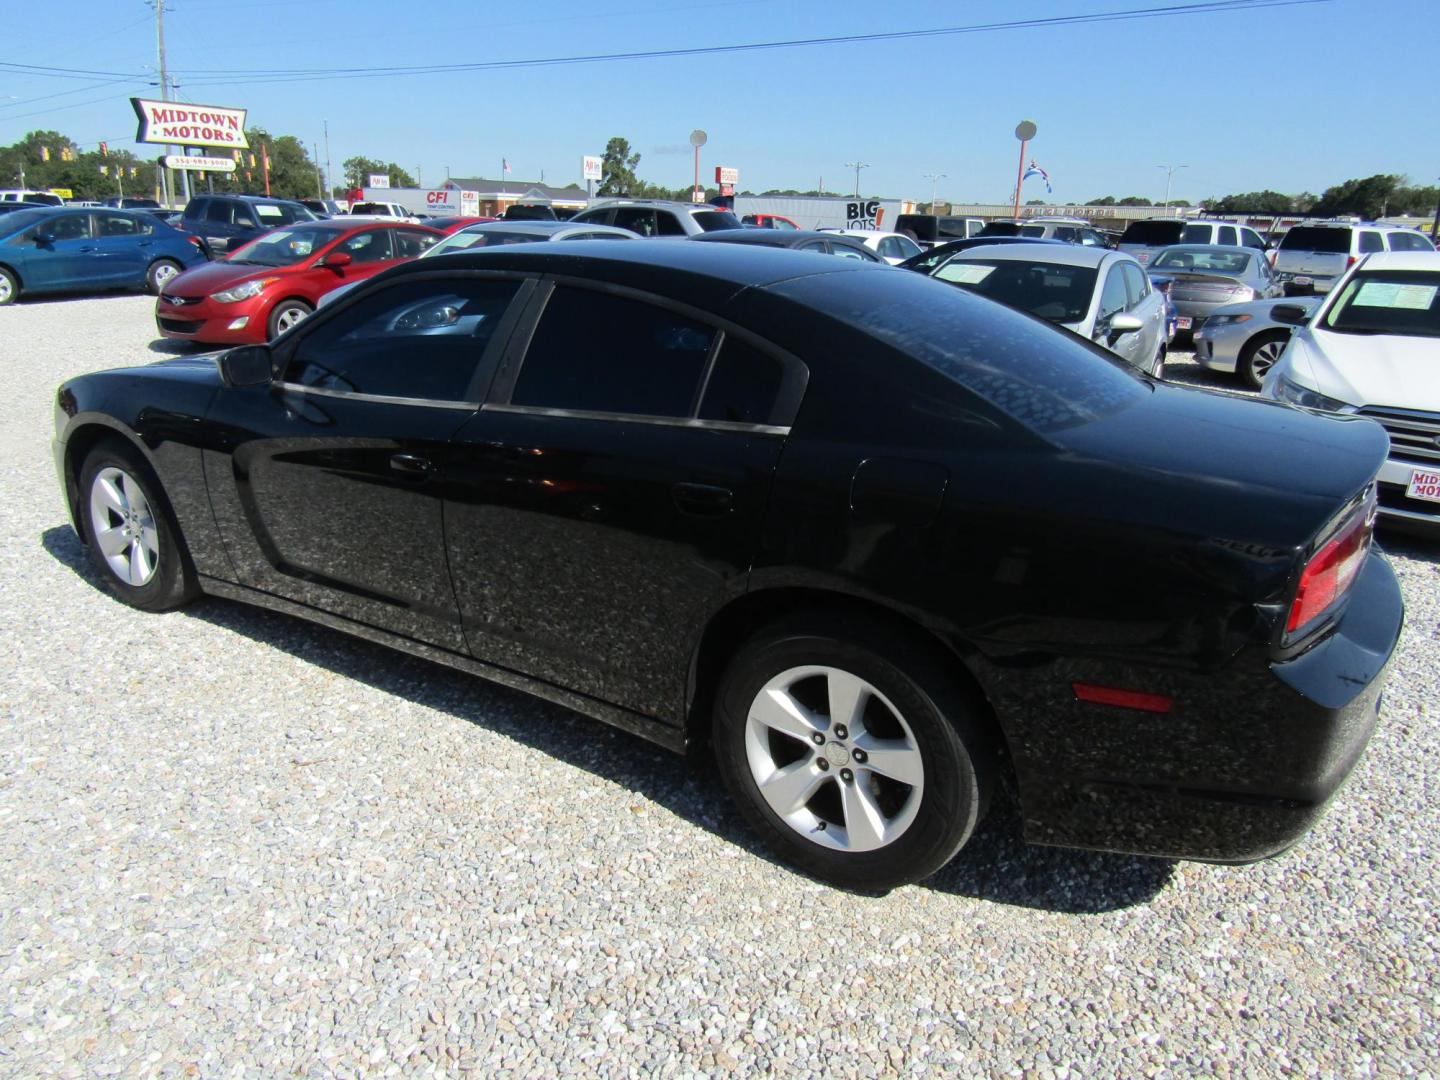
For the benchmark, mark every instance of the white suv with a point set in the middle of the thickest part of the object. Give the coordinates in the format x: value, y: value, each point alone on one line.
x: 1313, y: 257
x: 658, y: 217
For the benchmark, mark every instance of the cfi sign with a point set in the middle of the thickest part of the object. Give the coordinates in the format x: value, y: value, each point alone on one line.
x: 172, y: 123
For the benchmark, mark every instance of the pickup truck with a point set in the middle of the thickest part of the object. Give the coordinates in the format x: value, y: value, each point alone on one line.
x: 383, y: 209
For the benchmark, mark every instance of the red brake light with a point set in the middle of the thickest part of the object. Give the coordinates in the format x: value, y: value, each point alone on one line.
x: 1349, y: 262
x: 1332, y: 569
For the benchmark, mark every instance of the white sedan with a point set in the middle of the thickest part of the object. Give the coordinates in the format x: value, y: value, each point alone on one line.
x: 1099, y: 294
x: 894, y: 248
x: 1372, y: 348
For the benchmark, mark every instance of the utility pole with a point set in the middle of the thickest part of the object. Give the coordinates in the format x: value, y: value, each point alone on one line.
x: 159, y: 6
x: 319, y: 184
x: 329, y: 176
x: 934, y: 179
x: 857, y: 166
x: 1170, y: 170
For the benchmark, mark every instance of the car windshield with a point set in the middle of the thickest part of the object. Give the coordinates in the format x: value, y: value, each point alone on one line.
x: 716, y: 220
x: 1405, y: 303
x: 478, y: 238
x: 1152, y: 233
x: 271, y: 214
x: 1215, y: 262
x: 1045, y: 380
x: 283, y: 247
x: 1314, y: 238
x: 1052, y: 291
x: 371, y: 208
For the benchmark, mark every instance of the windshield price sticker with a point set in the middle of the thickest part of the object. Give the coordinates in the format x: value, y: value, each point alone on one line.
x: 965, y: 273
x: 1391, y: 295
x: 1424, y: 485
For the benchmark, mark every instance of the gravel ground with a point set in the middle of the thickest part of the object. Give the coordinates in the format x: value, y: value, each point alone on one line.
x: 236, y: 844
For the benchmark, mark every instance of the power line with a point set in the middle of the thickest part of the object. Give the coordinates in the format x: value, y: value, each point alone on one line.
x: 236, y: 76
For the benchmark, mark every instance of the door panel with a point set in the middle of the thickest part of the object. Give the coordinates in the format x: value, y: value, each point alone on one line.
x: 329, y: 487
x: 591, y: 552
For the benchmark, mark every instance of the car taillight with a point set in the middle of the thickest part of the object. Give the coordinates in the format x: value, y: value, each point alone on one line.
x: 1333, y: 567
x: 1349, y: 262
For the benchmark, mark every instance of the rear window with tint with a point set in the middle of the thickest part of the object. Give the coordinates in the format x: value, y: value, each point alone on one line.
x: 1313, y: 238
x: 716, y: 220
x: 1043, y: 379
x: 1153, y: 233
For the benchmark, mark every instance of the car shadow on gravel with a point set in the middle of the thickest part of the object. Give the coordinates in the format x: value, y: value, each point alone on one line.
x: 996, y: 865
x: 178, y: 347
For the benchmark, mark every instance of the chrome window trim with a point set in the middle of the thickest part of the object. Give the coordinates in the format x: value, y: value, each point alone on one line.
x: 638, y: 418
x: 380, y: 399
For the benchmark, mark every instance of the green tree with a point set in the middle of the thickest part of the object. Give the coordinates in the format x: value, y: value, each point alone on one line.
x: 1104, y: 200
x: 617, y: 168
x: 358, y: 171
x: 1369, y: 198
x: 1137, y: 200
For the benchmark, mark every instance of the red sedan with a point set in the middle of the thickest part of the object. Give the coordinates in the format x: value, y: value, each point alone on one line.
x: 275, y: 280
x: 449, y: 225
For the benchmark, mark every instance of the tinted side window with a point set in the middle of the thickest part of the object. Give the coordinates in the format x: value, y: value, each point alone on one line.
x: 409, y: 243
x: 1195, y: 234
x: 1405, y: 241
x: 669, y: 226
x: 70, y: 227
x: 744, y: 385
x: 1136, y: 284
x: 220, y: 212
x: 1115, y: 296
x: 1250, y: 238
x: 1227, y: 235
x: 418, y: 339
x: 1370, y: 241
x: 600, y: 353
x: 122, y: 225
x: 195, y: 209
x: 368, y: 247
x: 635, y: 219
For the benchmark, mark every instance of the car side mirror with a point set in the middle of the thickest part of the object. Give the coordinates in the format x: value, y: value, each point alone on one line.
x: 336, y: 260
x: 248, y: 365
x: 44, y: 239
x: 1290, y: 314
x: 1125, y: 324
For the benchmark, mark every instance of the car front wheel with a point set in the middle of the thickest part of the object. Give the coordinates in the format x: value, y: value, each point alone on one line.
x: 9, y: 287
x: 287, y: 314
x: 160, y: 274
x: 132, y: 536
x: 853, y: 756
x: 1260, y: 355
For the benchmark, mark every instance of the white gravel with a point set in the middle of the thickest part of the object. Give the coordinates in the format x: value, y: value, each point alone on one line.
x: 234, y: 844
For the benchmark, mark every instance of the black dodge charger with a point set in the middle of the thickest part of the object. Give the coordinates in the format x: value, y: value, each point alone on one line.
x: 883, y: 547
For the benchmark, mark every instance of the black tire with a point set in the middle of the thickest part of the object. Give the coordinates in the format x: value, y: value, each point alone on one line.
x: 1255, y: 359
x: 943, y: 728
x: 1160, y: 355
x: 284, y: 311
x: 172, y: 581
x: 161, y: 271
x: 9, y: 287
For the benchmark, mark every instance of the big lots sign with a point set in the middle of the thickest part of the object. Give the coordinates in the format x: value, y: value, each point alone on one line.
x: 172, y: 123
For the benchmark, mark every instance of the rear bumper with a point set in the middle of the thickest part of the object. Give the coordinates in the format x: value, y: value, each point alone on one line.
x: 1243, y: 766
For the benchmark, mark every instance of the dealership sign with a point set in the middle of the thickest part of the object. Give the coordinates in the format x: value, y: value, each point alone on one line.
x: 199, y: 163
x: 591, y: 166
x: 172, y: 123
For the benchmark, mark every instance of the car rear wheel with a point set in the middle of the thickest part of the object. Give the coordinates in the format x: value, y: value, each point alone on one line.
x: 1259, y: 356
x: 161, y: 273
x: 855, y: 758
x: 131, y: 532
x: 9, y: 287
x: 1159, y: 371
x: 287, y: 314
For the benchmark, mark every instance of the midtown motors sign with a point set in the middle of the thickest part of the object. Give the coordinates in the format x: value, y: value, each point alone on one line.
x: 173, y: 123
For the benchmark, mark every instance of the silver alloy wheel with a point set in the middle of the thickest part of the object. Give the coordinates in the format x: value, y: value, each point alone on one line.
x: 165, y: 272
x: 288, y: 318
x: 6, y: 289
x: 806, y: 761
x: 1263, y: 359
x: 123, y: 526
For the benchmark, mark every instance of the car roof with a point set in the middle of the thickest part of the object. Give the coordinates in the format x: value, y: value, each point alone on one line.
x: 707, y: 272
x: 769, y: 237
x: 668, y: 204
x: 540, y: 227
x: 1058, y: 255
x: 1404, y: 260
x: 1225, y: 249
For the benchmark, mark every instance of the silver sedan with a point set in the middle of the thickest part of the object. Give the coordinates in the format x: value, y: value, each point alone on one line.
x: 1244, y: 339
x: 1205, y: 277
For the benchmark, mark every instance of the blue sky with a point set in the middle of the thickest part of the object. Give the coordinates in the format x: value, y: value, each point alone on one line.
x: 1291, y: 98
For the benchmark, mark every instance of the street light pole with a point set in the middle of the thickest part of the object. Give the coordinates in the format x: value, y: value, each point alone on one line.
x: 857, y: 166
x: 1170, y: 170
x: 934, y: 179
